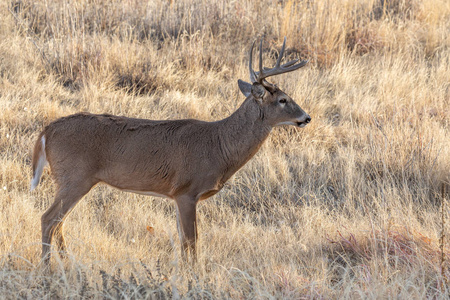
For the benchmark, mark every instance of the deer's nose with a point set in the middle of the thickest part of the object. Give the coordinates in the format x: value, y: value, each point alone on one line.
x: 308, y: 119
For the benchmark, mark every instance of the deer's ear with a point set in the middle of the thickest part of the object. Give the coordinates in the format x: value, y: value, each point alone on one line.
x: 245, y: 87
x: 258, y: 91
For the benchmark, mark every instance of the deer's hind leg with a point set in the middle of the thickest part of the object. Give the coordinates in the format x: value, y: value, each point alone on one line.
x: 67, y: 196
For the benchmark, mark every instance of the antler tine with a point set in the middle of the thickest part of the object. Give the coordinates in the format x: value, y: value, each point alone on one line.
x: 280, y: 56
x: 278, y: 69
x: 288, y: 64
x: 252, y: 73
x: 288, y: 68
x: 260, y: 58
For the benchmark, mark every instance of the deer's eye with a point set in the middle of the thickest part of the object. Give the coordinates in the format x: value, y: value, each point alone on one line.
x: 282, y: 101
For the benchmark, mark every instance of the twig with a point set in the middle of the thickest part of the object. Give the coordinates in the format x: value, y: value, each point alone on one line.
x: 442, y: 237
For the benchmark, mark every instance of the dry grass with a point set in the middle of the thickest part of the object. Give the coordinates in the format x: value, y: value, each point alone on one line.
x: 348, y: 207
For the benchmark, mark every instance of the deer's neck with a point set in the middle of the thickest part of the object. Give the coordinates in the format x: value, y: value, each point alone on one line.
x: 242, y: 134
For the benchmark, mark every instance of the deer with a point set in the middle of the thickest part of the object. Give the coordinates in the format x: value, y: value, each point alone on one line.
x: 185, y: 160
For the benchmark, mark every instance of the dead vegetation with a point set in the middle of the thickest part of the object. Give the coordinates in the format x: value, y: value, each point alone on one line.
x: 349, y: 207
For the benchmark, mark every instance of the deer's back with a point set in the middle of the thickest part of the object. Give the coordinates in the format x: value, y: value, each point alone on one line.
x: 133, y: 154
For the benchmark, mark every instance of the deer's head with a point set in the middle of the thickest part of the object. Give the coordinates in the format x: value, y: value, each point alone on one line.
x: 276, y: 106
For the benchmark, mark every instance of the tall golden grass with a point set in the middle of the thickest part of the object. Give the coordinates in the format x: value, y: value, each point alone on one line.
x: 348, y: 207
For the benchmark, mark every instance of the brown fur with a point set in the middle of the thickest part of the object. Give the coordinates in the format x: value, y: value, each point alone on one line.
x: 185, y: 160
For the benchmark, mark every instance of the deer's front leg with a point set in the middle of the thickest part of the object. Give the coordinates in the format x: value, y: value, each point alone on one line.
x: 187, y: 225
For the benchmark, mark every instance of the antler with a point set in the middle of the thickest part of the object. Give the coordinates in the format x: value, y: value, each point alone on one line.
x: 278, y: 69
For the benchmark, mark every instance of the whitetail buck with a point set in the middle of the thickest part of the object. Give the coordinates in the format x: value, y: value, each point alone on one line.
x: 185, y: 160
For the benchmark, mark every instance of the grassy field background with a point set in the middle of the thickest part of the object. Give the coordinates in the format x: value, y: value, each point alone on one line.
x: 348, y: 207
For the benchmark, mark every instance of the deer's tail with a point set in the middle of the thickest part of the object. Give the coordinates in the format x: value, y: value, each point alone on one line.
x: 39, y: 160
